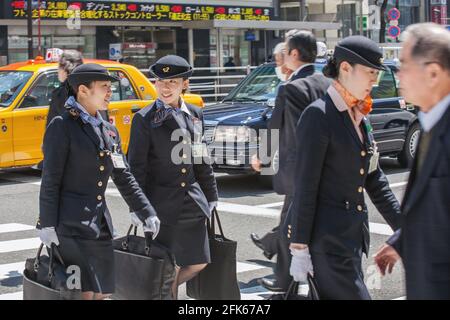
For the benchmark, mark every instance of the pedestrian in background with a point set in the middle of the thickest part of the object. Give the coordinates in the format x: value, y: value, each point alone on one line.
x: 423, y: 242
x: 336, y: 160
x: 69, y: 60
x: 303, y: 87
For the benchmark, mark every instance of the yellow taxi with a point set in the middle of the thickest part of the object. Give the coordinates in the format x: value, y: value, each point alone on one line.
x: 25, y: 93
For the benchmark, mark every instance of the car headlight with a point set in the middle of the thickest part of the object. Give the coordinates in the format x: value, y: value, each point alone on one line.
x: 233, y: 134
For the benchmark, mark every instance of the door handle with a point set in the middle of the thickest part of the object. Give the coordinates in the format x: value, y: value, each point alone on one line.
x: 135, y: 109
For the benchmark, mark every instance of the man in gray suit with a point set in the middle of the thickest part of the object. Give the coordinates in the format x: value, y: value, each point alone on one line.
x: 423, y: 242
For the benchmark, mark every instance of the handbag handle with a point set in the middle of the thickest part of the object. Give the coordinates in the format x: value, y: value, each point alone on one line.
x: 148, y: 239
x: 53, y: 252
x: 212, y: 226
x: 293, y: 288
x: 313, y: 291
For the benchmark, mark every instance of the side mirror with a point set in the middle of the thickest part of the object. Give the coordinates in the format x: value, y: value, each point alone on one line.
x: 271, y: 102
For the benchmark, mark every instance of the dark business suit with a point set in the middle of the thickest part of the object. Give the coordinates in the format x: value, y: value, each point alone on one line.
x: 302, y: 89
x: 180, y: 192
x: 328, y: 212
x: 77, y: 167
x: 424, y: 239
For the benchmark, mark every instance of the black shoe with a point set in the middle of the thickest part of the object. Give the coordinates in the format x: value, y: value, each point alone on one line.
x: 257, y: 241
x: 270, y: 285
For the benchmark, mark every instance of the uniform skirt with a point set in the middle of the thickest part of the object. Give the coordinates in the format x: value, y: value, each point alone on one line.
x: 95, y: 259
x: 188, y: 239
x: 339, y: 278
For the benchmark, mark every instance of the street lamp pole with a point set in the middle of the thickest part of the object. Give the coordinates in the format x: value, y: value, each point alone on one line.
x: 30, y: 29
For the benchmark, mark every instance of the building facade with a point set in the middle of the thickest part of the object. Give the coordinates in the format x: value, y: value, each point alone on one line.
x: 209, y: 33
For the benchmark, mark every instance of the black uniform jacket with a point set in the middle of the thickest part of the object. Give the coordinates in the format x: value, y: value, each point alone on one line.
x: 424, y: 239
x: 328, y: 211
x: 77, y: 167
x: 165, y: 181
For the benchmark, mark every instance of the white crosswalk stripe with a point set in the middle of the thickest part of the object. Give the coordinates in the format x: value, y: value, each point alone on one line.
x: 14, y: 270
x: 19, y: 245
x: 14, y: 227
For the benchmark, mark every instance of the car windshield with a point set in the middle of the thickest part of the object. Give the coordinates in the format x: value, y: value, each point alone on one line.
x: 260, y: 86
x: 11, y: 82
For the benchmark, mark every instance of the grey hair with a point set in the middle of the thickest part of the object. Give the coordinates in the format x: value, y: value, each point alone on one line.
x: 70, y: 59
x: 430, y: 42
x: 290, y: 33
x: 279, y: 48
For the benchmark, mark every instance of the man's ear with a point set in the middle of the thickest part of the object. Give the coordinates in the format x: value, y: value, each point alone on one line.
x: 433, y: 73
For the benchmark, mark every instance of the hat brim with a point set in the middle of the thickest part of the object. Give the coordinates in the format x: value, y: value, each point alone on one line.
x: 345, y: 54
x: 154, y: 74
x: 76, y: 78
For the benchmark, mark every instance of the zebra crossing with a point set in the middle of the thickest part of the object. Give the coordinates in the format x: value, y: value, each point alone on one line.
x: 19, y: 241
x: 13, y: 270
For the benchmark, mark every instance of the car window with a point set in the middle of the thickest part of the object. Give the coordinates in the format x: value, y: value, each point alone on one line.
x: 123, y: 89
x: 386, y: 86
x: 260, y: 85
x: 40, y: 93
x: 11, y: 82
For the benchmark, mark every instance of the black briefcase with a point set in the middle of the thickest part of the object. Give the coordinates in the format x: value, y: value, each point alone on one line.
x: 218, y: 281
x: 292, y: 292
x: 145, y: 269
x: 45, y: 278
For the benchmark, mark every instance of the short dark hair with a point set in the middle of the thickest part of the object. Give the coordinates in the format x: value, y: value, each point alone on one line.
x: 70, y: 59
x: 73, y: 90
x: 331, y: 70
x: 305, y: 43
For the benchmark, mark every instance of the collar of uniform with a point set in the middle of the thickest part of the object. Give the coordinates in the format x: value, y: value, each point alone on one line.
x: 183, y: 107
x: 429, y: 119
x: 300, y: 69
x: 337, y: 99
x: 85, y: 116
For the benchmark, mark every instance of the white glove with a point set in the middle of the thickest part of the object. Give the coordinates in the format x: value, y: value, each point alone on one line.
x: 212, y: 205
x: 48, y: 236
x: 151, y: 224
x: 301, y: 265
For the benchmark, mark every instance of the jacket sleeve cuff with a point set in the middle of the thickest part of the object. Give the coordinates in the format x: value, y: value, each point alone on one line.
x: 144, y: 213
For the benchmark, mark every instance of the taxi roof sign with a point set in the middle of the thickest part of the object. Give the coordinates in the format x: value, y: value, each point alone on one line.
x: 53, y: 54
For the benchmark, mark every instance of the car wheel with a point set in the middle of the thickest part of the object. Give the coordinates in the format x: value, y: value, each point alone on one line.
x: 267, y: 179
x: 406, y: 156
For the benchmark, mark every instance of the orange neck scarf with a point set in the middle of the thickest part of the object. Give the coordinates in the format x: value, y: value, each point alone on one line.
x: 364, y: 106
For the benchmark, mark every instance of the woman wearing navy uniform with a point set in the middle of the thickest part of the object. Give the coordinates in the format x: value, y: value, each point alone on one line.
x: 81, y: 153
x: 168, y: 157
x: 337, y: 159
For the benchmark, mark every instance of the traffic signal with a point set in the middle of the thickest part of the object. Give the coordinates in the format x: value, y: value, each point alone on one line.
x: 364, y: 22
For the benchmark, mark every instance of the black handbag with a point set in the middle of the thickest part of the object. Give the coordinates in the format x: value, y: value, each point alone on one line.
x: 45, y: 278
x: 292, y: 292
x: 145, y: 269
x: 218, y: 281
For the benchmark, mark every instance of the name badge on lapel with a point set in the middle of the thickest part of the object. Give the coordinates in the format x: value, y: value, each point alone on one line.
x: 374, y: 159
x: 117, y: 159
x: 199, y: 149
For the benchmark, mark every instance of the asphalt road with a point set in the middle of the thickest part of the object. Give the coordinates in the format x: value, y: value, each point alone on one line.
x: 245, y: 206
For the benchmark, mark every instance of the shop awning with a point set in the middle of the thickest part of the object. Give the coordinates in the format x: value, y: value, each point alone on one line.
x: 261, y: 25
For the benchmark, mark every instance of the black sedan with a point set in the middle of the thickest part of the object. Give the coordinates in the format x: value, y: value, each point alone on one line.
x: 234, y: 127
